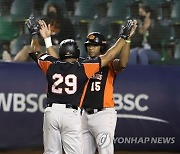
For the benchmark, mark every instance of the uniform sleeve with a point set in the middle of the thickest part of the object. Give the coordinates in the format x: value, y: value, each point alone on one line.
x: 41, y: 61
x: 35, y: 55
x: 92, y: 66
x: 45, y: 61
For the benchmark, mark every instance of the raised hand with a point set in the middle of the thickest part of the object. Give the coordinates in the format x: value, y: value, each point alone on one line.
x: 45, y: 30
x: 32, y: 25
x: 126, y: 29
x: 133, y: 29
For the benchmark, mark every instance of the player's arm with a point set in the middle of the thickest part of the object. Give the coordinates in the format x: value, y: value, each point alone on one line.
x: 116, y: 48
x: 34, y: 28
x: 120, y: 64
x: 45, y: 32
x: 35, y: 48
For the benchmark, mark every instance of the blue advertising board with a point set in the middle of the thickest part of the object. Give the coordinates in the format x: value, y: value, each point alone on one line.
x: 148, y: 104
x: 22, y: 102
x: 147, y: 100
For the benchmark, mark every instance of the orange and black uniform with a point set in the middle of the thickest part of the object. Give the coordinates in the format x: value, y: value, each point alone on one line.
x: 67, y: 82
x: 99, y: 93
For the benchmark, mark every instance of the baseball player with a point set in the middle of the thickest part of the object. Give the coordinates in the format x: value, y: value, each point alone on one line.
x: 99, y: 116
x: 67, y: 81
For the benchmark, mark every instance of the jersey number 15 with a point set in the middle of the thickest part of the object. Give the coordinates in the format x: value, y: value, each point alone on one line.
x: 96, y: 86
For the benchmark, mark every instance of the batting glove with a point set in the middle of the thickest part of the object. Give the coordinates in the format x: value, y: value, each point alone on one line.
x: 126, y: 29
x: 33, y: 26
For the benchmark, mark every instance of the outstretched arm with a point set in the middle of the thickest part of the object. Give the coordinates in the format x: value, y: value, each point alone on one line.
x: 126, y: 31
x: 112, y: 52
x: 120, y: 64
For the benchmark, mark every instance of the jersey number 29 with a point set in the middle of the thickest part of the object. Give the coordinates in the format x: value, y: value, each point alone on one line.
x: 70, y: 81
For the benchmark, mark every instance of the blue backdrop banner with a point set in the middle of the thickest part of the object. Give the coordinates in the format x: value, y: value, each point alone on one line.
x: 147, y: 102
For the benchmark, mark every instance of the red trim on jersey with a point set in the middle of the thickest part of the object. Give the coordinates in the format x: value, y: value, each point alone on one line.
x: 91, y: 67
x: 108, y: 91
x: 44, y: 65
x: 83, y: 94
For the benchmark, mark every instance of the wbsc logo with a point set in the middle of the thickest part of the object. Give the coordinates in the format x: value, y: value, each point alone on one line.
x: 130, y: 103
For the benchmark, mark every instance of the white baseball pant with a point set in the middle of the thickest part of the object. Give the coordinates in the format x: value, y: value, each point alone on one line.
x: 98, y: 131
x: 62, y: 128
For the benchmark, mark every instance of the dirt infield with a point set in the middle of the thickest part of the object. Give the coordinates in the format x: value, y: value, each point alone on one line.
x: 40, y: 151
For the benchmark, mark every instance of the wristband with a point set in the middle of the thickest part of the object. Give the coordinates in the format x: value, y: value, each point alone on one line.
x: 128, y: 41
x: 48, y: 42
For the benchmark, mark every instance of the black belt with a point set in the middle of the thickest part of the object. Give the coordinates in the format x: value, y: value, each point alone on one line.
x: 69, y: 106
x: 92, y: 111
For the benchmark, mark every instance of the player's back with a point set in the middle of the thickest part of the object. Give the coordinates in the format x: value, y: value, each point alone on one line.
x: 66, y: 80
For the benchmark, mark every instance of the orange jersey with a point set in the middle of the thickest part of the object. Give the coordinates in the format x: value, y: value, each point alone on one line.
x: 67, y: 81
x: 99, y: 93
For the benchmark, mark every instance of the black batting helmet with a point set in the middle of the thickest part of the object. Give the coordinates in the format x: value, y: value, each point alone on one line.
x: 68, y: 49
x: 96, y: 38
